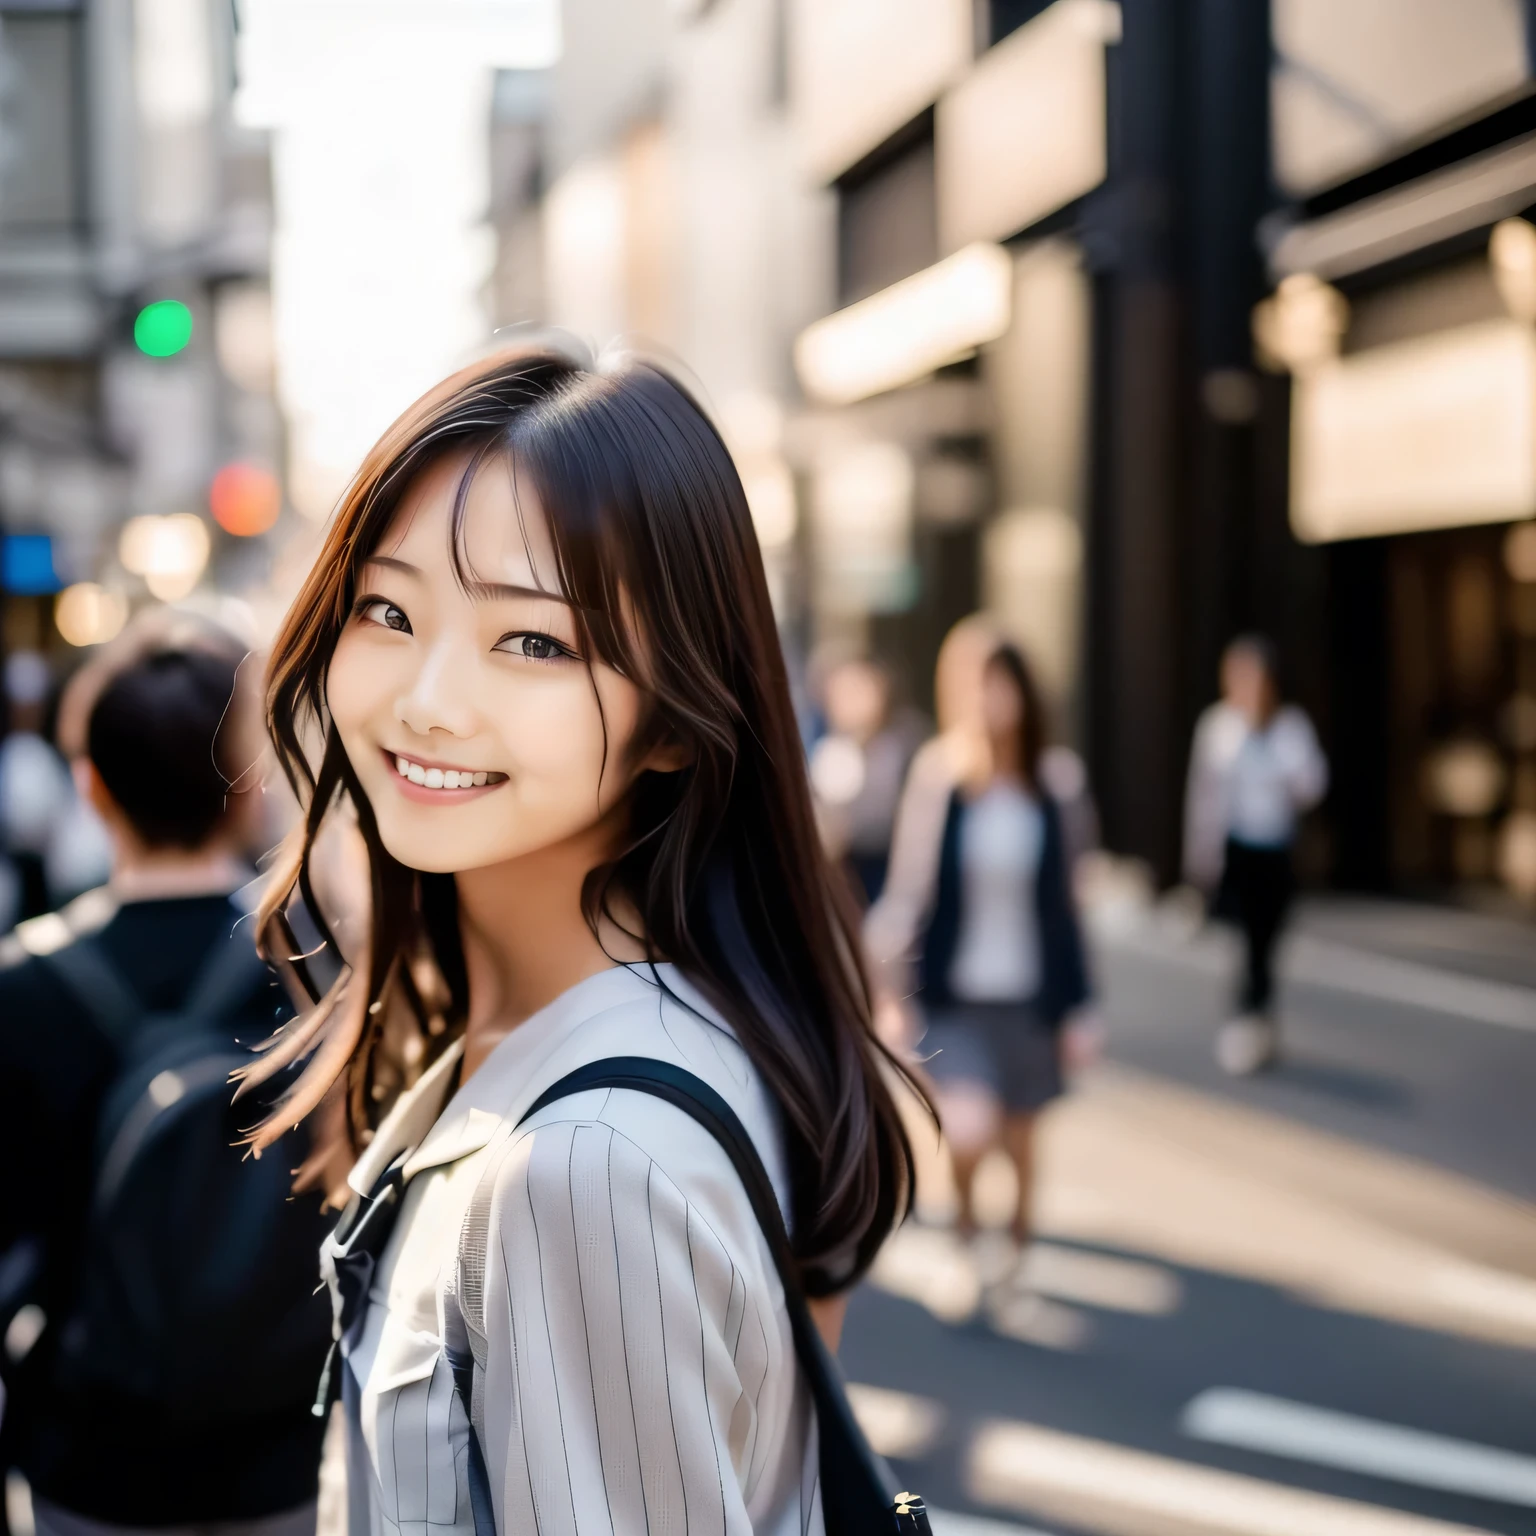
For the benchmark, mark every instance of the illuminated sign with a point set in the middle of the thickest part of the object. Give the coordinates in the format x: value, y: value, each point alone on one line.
x: 1436, y: 432
x: 907, y: 330
x: 1025, y: 132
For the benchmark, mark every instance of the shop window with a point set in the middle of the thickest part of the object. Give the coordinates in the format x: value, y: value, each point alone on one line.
x: 887, y: 218
x: 1461, y: 743
x: 40, y: 176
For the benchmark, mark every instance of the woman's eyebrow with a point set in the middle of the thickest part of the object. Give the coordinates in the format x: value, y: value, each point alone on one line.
x: 475, y: 587
x: 404, y: 566
x: 493, y: 589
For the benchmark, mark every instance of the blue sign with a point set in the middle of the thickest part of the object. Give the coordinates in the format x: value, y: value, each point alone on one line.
x: 26, y: 564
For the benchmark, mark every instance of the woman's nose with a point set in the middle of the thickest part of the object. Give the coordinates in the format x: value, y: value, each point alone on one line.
x: 441, y: 694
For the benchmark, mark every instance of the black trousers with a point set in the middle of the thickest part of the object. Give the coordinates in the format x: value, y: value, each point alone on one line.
x: 1257, y: 885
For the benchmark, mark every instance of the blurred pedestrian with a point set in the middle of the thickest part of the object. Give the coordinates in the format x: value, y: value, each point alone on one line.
x: 1255, y: 767
x: 35, y: 791
x: 53, y: 846
x: 858, y: 768
x: 979, y: 901
x: 164, y: 1285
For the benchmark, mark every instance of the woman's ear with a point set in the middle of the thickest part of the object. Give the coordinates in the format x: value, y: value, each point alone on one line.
x: 668, y: 756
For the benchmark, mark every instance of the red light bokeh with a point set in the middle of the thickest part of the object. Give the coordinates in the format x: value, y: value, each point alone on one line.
x: 245, y: 499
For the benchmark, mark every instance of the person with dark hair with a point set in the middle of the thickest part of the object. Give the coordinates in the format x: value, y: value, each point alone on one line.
x: 859, y: 765
x: 979, y: 902
x: 1254, y: 769
x: 163, y: 1288
x: 537, y: 660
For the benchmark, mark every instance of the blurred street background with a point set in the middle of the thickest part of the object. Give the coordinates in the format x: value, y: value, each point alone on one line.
x: 1135, y: 326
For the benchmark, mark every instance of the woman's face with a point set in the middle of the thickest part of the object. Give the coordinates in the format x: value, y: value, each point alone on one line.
x: 1002, y: 705
x: 1246, y: 684
x: 478, y: 730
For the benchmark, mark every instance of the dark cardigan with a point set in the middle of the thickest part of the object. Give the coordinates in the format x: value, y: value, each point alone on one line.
x: 1064, y: 975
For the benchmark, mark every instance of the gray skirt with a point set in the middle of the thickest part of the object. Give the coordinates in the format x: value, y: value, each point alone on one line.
x: 1008, y: 1047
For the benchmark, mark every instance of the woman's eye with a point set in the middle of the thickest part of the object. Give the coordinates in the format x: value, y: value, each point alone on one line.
x: 533, y: 647
x: 377, y: 611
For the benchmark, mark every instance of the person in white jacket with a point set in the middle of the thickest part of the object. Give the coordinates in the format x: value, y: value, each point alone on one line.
x: 1255, y: 768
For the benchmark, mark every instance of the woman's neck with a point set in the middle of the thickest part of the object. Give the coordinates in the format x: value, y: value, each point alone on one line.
x: 526, y: 939
x: 1006, y: 762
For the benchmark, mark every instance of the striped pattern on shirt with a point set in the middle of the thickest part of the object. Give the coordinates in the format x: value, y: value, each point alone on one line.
x: 636, y: 1371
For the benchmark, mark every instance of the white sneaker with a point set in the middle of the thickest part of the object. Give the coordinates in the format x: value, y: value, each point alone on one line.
x: 1246, y: 1045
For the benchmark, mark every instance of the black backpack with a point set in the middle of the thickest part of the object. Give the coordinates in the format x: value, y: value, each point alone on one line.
x: 196, y: 1291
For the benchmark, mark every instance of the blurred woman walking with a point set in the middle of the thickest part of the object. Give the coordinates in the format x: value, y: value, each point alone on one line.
x: 1254, y: 769
x: 978, y: 903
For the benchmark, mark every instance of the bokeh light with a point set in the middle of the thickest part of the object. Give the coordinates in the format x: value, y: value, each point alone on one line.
x: 170, y: 553
x: 245, y: 499
x: 163, y: 328
x: 1520, y: 552
x: 88, y: 614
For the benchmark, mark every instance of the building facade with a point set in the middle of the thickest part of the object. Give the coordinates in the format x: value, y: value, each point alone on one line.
x: 1403, y: 273
x: 1084, y: 313
x: 135, y: 353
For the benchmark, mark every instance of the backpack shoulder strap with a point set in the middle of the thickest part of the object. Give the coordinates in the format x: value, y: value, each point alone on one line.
x: 856, y: 1484
x: 226, y: 979
x: 98, y: 986
x: 696, y: 1099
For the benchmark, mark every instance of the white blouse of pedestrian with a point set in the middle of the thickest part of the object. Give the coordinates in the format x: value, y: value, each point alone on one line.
x: 997, y: 951
x: 640, y: 1374
x: 1248, y: 785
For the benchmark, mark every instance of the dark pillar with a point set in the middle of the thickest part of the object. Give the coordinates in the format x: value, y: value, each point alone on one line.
x: 1229, y: 193
x: 1178, y: 562
x: 1135, y: 724
x: 1358, y: 725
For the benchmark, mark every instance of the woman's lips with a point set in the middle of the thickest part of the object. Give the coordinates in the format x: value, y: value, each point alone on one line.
x: 439, y: 783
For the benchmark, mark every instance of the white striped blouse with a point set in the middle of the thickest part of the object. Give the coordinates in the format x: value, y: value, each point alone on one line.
x: 640, y: 1375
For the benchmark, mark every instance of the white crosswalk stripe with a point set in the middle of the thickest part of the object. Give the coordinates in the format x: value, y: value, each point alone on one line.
x: 1128, y: 1493
x: 1257, y: 1422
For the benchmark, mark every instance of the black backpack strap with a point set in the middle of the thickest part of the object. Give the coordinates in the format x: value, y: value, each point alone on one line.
x: 98, y: 986
x: 227, y: 978
x: 856, y: 1485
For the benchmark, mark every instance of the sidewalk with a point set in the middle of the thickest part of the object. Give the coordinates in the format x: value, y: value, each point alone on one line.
x: 1407, y: 1028
x: 1440, y: 960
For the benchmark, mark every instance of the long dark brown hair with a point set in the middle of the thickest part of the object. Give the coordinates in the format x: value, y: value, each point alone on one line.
x: 1033, y: 732
x: 655, y: 550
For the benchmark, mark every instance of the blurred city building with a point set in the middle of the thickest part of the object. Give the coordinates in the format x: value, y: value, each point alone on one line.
x: 138, y: 439
x: 1403, y: 274
x: 1136, y: 324
x: 1159, y: 322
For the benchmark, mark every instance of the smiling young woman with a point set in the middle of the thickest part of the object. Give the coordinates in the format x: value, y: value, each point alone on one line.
x: 538, y: 659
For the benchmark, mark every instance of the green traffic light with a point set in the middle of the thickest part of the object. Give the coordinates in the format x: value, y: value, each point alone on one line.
x: 163, y: 328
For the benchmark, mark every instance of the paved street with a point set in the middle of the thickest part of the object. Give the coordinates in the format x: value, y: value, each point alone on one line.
x: 1300, y: 1304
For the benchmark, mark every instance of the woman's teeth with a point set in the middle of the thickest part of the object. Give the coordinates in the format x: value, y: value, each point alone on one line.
x: 439, y: 778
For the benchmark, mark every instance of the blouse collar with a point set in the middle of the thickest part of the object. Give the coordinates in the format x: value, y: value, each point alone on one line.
x: 432, y: 1132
